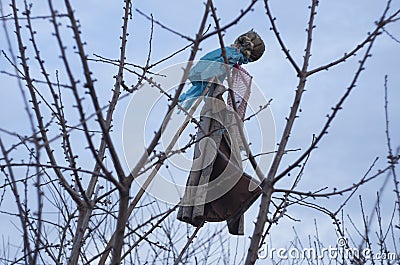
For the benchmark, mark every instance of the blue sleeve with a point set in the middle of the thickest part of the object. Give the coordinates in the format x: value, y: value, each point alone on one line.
x: 210, y: 65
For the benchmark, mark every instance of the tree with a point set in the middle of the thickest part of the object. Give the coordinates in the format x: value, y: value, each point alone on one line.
x: 72, y: 198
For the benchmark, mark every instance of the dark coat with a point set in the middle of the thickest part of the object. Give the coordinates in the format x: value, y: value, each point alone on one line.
x: 217, y: 189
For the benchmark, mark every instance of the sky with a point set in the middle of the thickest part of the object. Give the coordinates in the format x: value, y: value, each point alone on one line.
x: 355, y: 139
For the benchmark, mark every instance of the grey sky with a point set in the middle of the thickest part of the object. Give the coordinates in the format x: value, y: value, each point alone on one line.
x: 357, y: 135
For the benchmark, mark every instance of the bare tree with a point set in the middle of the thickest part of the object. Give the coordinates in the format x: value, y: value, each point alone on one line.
x: 72, y: 199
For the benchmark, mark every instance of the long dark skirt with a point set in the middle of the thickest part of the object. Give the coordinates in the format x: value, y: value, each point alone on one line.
x: 217, y: 189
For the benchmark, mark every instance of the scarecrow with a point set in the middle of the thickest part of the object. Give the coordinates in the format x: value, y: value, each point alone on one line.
x: 217, y: 189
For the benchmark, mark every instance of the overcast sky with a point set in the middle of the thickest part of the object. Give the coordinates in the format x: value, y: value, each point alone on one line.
x: 356, y: 137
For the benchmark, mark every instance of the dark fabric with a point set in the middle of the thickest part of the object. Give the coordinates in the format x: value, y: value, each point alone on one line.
x: 217, y: 166
x: 232, y: 205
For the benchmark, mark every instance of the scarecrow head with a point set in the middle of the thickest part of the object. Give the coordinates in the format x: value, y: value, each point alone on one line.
x: 251, y: 45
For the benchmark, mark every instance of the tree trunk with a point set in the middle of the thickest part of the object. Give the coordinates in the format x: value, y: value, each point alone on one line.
x: 120, y: 229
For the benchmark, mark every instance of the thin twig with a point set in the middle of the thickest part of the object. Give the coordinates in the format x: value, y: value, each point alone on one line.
x: 189, y: 241
x: 279, y: 38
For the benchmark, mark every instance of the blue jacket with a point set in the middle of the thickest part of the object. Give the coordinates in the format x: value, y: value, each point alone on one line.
x: 210, y: 65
